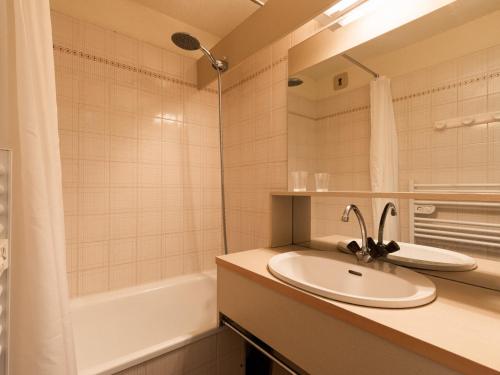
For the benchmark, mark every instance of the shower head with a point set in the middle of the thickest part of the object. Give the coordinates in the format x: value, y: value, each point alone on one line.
x: 294, y: 82
x: 186, y: 41
x: 190, y: 43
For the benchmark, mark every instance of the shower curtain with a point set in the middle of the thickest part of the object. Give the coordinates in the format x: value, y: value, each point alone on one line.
x: 40, y: 332
x: 383, y: 153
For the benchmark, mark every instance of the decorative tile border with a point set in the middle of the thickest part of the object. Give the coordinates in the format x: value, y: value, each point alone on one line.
x: 123, y: 66
x: 448, y: 87
x: 418, y: 94
x: 150, y: 73
x: 255, y: 75
x: 345, y: 112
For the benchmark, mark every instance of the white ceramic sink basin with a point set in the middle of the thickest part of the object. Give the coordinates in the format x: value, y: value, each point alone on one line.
x: 425, y: 257
x: 376, y: 284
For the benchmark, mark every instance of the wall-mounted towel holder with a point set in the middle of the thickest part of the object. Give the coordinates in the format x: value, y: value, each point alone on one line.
x: 423, y: 224
x: 480, y: 118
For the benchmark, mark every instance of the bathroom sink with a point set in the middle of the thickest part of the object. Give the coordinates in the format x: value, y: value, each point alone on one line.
x: 377, y: 284
x: 425, y: 257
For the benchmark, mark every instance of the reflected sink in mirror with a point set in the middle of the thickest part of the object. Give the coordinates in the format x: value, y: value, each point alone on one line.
x: 423, y: 257
x: 335, y: 276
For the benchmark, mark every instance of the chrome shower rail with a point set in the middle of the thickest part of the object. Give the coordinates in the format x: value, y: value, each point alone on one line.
x: 258, y: 2
x: 359, y: 65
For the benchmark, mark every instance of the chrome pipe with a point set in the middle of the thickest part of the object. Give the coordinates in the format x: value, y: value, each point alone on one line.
x: 190, y: 43
x: 258, y: 2
x: 221, y: 154
x: 283, y: 365
x: 381, y: 226
x: 363, y: 254
x: 359, y: 65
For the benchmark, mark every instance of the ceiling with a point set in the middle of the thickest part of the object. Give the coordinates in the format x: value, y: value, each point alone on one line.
x: 218, y: 17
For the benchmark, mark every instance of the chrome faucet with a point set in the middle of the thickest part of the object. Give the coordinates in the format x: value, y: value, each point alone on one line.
x: 381, y: 226
x: 363, y: 253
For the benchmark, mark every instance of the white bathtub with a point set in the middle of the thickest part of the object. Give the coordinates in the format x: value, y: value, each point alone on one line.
x: 116, y: 330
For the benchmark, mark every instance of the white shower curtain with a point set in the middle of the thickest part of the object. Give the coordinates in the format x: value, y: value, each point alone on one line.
x: 41, y: 339
x: 383, y: 153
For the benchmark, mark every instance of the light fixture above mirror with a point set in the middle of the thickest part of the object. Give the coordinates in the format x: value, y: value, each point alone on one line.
x: 347, y: 11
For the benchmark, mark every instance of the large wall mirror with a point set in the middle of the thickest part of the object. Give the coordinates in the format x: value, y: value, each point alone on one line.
x: 414, y: 109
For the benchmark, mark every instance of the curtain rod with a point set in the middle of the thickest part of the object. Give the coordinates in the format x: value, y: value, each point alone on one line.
x: 258, y: 2
x: 358, y: 64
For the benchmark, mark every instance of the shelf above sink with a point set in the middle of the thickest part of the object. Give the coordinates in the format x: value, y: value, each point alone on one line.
x: 463, y: 197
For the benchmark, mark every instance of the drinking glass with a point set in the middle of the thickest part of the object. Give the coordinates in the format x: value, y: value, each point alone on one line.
x: 322, y: 180
x: 299, y: 181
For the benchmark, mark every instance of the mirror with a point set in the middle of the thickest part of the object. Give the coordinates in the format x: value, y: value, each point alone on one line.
x: 420, y: 102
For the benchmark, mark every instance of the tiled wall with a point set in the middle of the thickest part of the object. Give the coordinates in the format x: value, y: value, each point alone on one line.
x: 461, y: 87
x: 255, y: 141
x: 303, y: 139
x: 457, y: 88
x: 139, y: 148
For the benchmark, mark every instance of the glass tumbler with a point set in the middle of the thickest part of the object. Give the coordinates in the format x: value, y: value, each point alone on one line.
x: 322, y: 180
x: 299, y: 181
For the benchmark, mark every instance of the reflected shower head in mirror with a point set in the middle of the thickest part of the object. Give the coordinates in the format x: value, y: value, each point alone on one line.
x: 294, y: 82
x: 190, y: 43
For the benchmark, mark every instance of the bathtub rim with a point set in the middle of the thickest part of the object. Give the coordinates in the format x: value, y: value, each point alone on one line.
x: 111, y: 295
x: 140, y: 356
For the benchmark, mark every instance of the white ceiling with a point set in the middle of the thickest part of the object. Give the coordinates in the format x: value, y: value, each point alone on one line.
x: 218, y: 17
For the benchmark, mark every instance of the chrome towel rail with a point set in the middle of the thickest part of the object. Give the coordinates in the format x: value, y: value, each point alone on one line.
x: 480, y: 233
x: 472, y: 223
x: 457, y: 203
x: 457, y: 234
x: 457, y: 240
x: 248, y: 338
x: 454, y: 228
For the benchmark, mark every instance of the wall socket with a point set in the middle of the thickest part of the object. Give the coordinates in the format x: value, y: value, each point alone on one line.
x: 340, y: 81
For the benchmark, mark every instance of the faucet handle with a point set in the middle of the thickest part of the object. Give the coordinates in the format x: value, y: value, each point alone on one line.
x: 392, y: 247
x: 353, y: 247
x: 375, y: 249
x: 361, y: 255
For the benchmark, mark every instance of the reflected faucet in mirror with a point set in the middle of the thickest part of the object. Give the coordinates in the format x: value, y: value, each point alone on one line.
x: 381, y: 226
x: 392, y: 246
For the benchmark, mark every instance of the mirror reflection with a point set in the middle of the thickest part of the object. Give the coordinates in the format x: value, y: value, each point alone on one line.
x: 416, y: 109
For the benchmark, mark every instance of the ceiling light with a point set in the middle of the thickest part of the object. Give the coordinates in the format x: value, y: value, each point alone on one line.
x: 339, y: 7
x: 360, y: 11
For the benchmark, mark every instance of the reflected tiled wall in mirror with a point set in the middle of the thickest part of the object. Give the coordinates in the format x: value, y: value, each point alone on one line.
x: 329, y: 131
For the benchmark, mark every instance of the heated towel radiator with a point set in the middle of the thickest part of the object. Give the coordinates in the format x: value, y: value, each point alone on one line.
x: 447, y: 221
